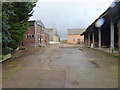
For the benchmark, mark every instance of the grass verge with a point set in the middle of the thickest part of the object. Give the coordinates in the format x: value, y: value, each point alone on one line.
x: 10, y: 67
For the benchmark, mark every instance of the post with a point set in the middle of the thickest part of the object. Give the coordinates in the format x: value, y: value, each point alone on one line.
x: 89, y: 39
x: 35, y: 25
x: 99, y: 32
x: 93, y: 39
x: 118, y: 25
x: 84, y: 39
x: 112, y: 35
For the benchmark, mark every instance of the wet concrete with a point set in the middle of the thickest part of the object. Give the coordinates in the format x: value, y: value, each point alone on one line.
x: 66, y: 68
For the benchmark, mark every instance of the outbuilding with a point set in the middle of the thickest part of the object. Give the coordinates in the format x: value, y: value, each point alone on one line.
x: 36, y: 35
x: 104, y: 31
x: 74, y: 36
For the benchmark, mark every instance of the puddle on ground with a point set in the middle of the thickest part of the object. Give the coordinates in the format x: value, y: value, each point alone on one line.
x: 75, y: 83
x: 57, y: 57
x: 92, y: 58
x: 96, y: 64
x: 80, y: 49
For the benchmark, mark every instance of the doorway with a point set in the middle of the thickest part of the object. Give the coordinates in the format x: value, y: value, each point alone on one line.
x: 78, y: 41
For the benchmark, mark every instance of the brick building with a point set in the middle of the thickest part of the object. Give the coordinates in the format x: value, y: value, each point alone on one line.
x: 74, y: 36
x: 36, y: 34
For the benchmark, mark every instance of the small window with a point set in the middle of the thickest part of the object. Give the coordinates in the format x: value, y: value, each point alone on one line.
x: 27, y: 36
x: 32, y: 36
x: 31, y: 23
x: 73, y: 39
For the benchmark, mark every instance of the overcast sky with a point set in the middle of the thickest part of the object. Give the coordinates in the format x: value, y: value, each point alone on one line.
x: 68, y: 14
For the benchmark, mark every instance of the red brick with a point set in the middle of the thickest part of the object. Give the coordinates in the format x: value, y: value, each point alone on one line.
x: 76, y: 37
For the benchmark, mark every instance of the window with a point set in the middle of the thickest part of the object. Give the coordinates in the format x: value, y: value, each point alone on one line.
x: 73, y: 39
x: 30, y: 36
x: 27, y: 36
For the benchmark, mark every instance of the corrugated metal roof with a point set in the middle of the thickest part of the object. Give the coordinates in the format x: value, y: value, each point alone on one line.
x: 75, y: 31
x: 32, y: 20
x: 110, y: 11
x: 39, y: 22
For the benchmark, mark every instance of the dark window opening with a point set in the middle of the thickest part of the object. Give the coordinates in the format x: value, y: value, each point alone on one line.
x: 31, y: 23
x: 73, y: 39
x: 30, y: 36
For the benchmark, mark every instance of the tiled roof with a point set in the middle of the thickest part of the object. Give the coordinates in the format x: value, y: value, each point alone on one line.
x: 75, y: 31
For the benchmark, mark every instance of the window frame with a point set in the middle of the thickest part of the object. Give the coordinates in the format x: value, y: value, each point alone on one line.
x: 30, y: 36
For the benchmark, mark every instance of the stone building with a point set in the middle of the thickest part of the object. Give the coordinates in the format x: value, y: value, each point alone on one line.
x: 53, y: 35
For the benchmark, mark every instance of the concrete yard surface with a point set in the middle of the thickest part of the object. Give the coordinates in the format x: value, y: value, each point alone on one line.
x: 61, y: 66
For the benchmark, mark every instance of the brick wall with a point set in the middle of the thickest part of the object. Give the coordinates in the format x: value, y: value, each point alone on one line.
x: 40, y: 37
x: 47, y: 39
x: 44, y: 38
x: 39, y: 31
x: 29, y: 41
x: 74, y: 39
